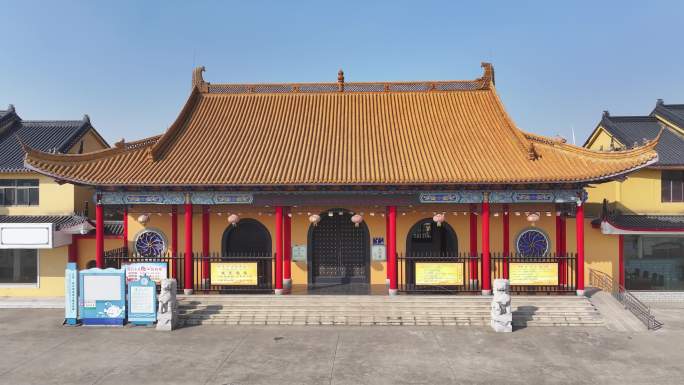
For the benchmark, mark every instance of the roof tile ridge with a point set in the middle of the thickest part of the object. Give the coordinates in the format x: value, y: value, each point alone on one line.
x: 165, y: 139
x: 523, y: 142
x: 33, y: 154
x: 630, y: 152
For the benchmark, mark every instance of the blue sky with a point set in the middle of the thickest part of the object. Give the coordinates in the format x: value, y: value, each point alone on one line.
x: 128, y: 64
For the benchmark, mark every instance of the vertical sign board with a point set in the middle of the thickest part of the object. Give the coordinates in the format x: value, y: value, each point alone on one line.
x: 142, y: 301
x: 102, y: 300
x: 71, y: 294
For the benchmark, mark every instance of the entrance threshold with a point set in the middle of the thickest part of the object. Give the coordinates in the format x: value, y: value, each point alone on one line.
x: 339, y: 289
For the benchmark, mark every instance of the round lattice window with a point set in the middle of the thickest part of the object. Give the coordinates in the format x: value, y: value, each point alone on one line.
x: 150, y: 243
x: 532, y: 243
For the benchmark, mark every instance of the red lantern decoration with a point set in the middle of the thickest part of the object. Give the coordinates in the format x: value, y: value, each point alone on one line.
x: 314, y: 219
x: 357, y: 219
x: 439, y: 219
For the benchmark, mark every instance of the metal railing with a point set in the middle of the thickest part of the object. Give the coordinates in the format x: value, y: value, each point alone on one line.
x: 640, y: 310
x: 201, y: 269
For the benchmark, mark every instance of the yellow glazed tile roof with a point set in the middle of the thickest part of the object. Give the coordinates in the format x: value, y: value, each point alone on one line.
x: 344, y: 134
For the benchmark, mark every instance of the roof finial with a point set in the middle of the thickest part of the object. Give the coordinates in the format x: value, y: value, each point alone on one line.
x: 488, y: 75
x: 197, y: 78
x: 340, y: 79
x: 660, y: 102
x: 86, y: 118
x: 10, y: 108
x: 606, y: 113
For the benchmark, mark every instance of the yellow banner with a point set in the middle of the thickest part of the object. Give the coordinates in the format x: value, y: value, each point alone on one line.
x: 234, y: 273
x: 533, y: 274
x: 440, y: 274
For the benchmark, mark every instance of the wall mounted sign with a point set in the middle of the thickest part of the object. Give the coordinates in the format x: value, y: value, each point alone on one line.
x: 378, y: 253
x: 299, y: 253
x: 142, y: 301
x: 71, y: 294
x: 102, y: 300
x: 507, y: 196
x: 219, y: 198
x: 533, y: 274
x: 156, y: 271
x: 439, y: 273
x: 234, y: 273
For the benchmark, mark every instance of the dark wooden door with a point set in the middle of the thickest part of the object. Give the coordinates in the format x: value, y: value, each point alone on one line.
x: 339, y: 251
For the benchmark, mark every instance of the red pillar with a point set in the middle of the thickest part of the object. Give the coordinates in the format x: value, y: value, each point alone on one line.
x: 287, y: 249
x: 621, y: 262
x: 579, y: 219
x: 486, y: 262
x: 279, y: 250
x: 506, y: 239
x: 188, y: 273
x: 205, y: 242
x: 73, y: 249
x: 174, y: 242
x: 387, y: 271
x: 559, y: 247
x: 99, y: 234
x: 392, y: 249
x: 473, y: 244
x: 125, y: 229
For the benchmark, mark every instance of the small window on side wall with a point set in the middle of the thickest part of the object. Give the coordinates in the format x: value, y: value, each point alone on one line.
x: 672, y: 186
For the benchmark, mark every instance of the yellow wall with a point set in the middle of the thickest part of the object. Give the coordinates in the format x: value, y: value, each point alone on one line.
x: 51, y: 276
x: 91, y: 143
x: 601, y: 141
x: 600, y: 250
x: 53, y: 198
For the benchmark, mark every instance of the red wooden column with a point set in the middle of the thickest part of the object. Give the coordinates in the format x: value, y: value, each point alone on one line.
x: 387, y: 270
x: 188, y: 275
x: 279, y: 250
x: 506, y: 238
x: 174, y: 242
x: 99, y: 233
x: 287, y: 249
x: 559, y: 247
x: 486, y: 261
x: 125, y: 229
x: 579, y: 226
x: 73, y: 249
x: 621, y: 262
x: 564, y: 245
x: 205, y: 243
x: 473, y: 245
x: 392, y: 249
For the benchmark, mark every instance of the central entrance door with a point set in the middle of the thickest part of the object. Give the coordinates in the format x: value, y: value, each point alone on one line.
x: 338, y: 251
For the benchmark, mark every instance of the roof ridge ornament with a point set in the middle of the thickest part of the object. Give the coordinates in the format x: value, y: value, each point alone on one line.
x: 488, y: 75
x: 198, y: 79
x: 340, y: 80
x: 86, y: 118
x: 10, y: 108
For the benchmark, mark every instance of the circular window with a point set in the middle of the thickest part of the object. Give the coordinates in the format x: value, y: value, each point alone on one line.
x: 150, y: 243
x: 532, y: 243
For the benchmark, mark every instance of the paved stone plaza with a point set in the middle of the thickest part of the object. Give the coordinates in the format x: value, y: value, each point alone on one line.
x: 37, y: 350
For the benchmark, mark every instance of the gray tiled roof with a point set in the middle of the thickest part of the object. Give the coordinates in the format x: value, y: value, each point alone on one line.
x: 673, y: 113
x: 43, y: 135
x: 634, y: 129
x: 60, y: 221
x: 646, y: 222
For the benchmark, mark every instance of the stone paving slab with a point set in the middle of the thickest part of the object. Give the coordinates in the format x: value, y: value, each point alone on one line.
x: 38, y: 350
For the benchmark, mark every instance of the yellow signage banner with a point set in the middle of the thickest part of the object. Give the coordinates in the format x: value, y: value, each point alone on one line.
x: 234, y: 273
x: 533, y: 274
x: 439, y: 274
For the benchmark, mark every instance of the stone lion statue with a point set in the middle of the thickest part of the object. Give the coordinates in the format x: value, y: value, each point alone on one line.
x: 167, y: 312
x: 502, y: 317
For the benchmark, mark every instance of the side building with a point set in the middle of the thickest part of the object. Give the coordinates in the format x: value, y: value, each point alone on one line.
x: 41, y: 220
x: 645, y: 210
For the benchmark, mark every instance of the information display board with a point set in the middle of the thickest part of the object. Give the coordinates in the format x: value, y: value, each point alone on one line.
x: 234, y: 273
x: 102, y: 297
x: 533, y: 274
x: 142, y: 301
x: 71, y: 294
x: 439, y: 273
x: 156, y: 271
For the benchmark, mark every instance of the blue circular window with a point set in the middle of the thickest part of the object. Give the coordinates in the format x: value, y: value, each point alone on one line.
x: 150, y: 243
x: 532, y: 243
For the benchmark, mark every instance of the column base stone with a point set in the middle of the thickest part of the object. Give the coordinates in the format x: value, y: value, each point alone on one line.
x: 393, y: 292
x: 287, y: 283
x: 187, y: 291
x: 279, y: 291
x: 486, y: 292
x: 580, y: 293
